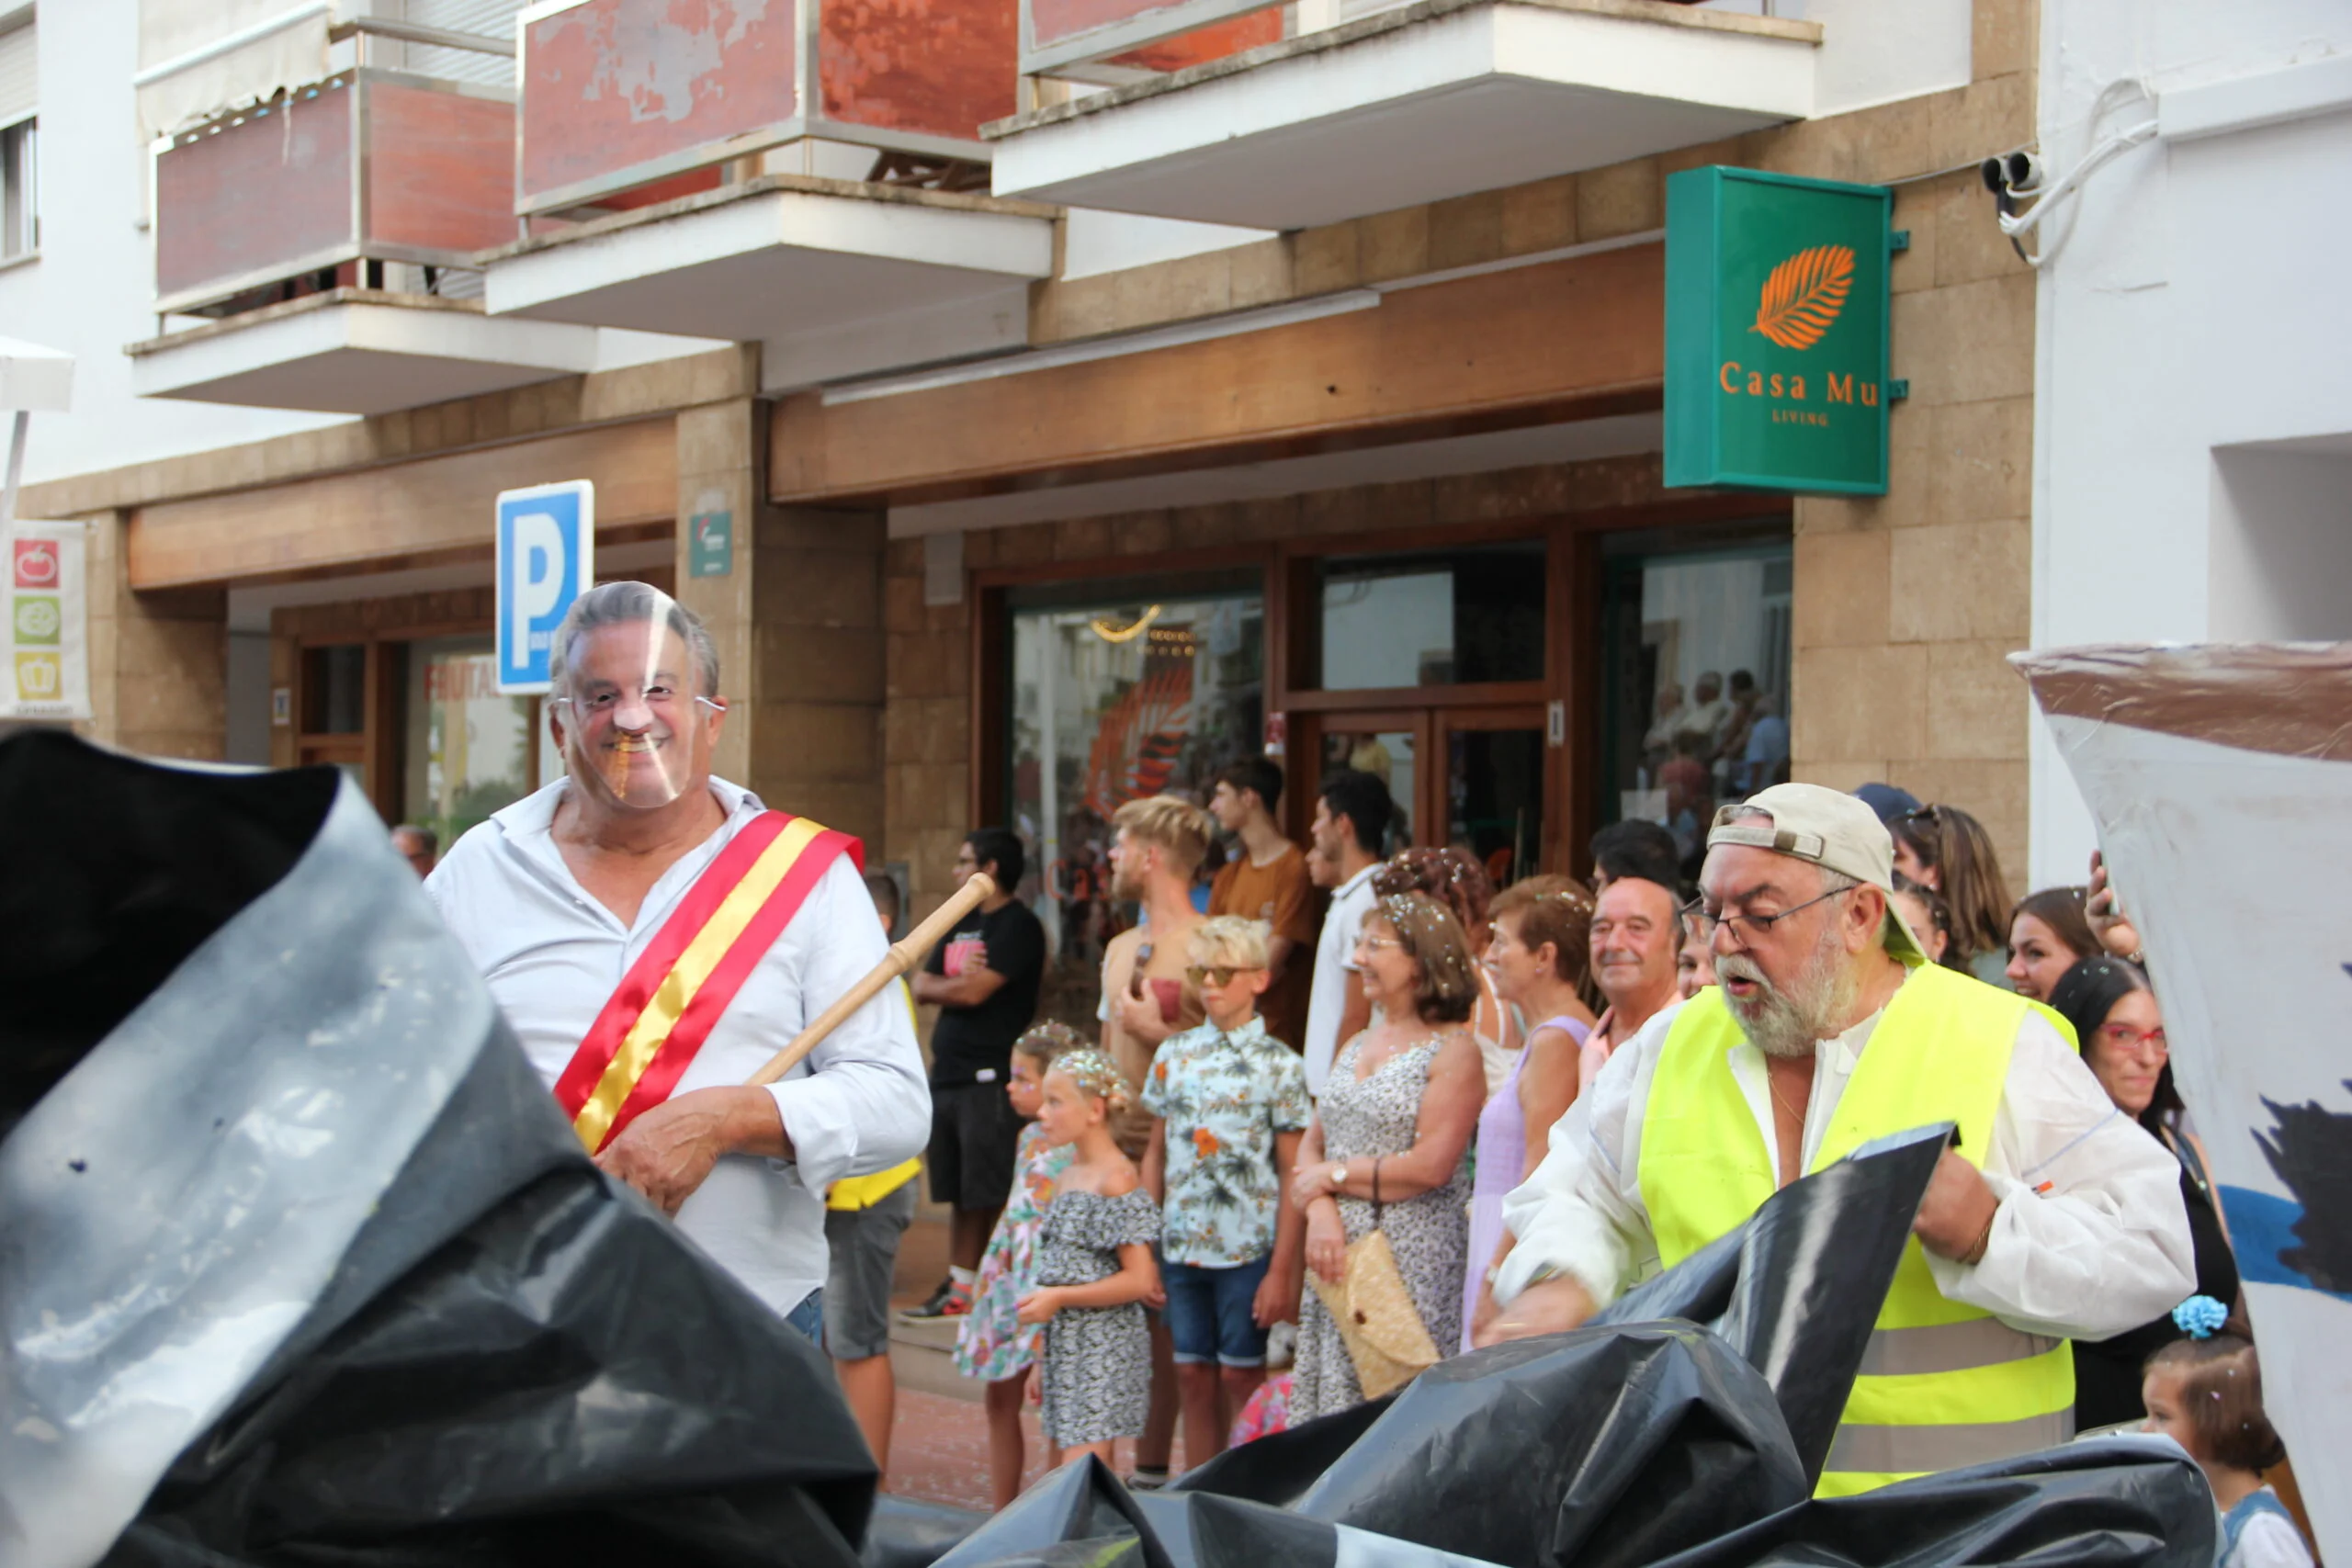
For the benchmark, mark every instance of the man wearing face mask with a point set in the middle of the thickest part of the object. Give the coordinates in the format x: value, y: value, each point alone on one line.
x: 2053, y: 1217
x: 655, y: 934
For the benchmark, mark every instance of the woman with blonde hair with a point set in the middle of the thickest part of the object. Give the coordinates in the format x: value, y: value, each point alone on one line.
x: 1385, y: 1150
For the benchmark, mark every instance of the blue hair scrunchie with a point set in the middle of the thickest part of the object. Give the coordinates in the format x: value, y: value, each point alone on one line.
x: 2201, y: 1316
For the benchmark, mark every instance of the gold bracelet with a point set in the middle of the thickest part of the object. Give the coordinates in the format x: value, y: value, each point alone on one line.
x: 1975, y: 1254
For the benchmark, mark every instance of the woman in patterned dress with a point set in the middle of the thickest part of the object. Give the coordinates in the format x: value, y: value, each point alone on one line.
x: 989, y: 1343
x: 1385, y: 1149
x: 1094, y: 1268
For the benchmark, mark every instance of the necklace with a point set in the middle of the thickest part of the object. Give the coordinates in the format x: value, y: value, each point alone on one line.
x: 1782, y: 1100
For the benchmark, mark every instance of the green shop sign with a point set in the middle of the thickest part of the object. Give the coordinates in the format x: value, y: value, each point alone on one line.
x: 1776, y: 329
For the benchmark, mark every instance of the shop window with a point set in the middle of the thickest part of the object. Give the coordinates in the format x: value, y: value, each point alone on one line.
x: 1450, y: 617
x: 470, y: 751
x: 1696, y: 681
x: 1119, y: 691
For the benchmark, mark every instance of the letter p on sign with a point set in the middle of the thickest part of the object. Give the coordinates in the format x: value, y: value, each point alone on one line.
x: 546, y: 540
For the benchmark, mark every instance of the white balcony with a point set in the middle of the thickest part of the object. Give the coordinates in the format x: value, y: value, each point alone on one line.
x: 358, y: 351
x: 1436, y: 99
x: 787, y: 260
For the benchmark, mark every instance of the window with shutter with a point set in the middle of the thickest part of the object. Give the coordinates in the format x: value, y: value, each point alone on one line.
x: 486, y: 19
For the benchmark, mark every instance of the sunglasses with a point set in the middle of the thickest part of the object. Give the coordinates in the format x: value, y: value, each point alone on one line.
x: 1218, y: 974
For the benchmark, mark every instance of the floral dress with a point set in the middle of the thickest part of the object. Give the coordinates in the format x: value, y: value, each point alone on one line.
x: 991, y: 1343
x: 1097, y: 1378
x: 1430, y: 1233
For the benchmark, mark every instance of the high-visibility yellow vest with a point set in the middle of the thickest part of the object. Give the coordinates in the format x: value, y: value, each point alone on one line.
x: 1942, y: 1385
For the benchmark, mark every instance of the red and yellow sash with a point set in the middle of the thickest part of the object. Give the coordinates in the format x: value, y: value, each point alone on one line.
x: 648, y: 1035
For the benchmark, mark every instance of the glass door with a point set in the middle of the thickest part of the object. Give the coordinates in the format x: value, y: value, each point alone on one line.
x: 1392, y: 745
x: 1492, y: 787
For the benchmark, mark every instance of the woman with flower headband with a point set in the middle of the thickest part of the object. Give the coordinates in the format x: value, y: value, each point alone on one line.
x: 1385, y: 1150
x: 1094, y: 1268
x: 2121, y: 1034
x: 1454, y: 878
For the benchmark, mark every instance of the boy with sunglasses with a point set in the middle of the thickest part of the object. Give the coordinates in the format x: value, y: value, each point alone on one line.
x: 1229, y: 1103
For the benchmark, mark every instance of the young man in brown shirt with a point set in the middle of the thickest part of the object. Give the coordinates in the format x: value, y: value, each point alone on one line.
x: 1267, y: 880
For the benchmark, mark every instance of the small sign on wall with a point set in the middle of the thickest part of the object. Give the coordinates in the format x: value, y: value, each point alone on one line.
x: 711, y: 540
x: 46, y: 671
x: 1777, y: 305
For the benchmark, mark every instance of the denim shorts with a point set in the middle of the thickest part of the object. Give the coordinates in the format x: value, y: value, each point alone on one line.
x: 1208, y: 1312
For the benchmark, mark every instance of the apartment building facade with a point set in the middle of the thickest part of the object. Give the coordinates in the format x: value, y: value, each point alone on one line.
x: 1044, y: 406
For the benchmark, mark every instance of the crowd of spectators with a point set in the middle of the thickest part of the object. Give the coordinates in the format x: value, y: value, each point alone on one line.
x: 1400, y: 1067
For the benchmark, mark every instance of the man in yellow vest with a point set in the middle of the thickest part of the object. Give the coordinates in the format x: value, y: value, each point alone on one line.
x: 2053, y: 1217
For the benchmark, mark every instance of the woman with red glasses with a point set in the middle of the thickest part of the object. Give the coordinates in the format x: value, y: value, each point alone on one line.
x: 2121, y: 1033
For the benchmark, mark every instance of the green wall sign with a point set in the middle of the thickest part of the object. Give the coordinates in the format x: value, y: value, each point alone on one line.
x: 1776, y: 332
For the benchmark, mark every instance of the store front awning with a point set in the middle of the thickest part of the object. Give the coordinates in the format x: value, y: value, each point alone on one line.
x: 1431, y: 101
x: 358, y: 351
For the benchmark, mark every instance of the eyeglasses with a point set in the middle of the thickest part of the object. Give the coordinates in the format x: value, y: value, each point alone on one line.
x: 1218, y: 974
x: 1375, y: 943
x: 1740, y: 922
x: 661, y: 699
x: 2123, y: 1037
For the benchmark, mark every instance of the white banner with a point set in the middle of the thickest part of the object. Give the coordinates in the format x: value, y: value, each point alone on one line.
x: 46, y: 671
x: 2222, y: 780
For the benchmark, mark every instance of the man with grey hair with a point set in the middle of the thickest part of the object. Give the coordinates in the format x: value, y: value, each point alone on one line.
x: 655, y: 934
x: 418, y: 846
x: 2053, y: 1216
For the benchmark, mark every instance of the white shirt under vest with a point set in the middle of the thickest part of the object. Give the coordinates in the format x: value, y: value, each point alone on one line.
x: 553, y: 956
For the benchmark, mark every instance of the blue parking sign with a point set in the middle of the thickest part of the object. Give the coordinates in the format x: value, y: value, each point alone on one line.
x: 546, y: 542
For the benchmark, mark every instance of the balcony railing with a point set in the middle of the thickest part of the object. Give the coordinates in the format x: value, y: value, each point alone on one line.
x: 616, y: 95
x: 322, y: 185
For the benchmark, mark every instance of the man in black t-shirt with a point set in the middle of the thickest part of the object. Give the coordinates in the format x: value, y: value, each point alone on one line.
x: 984, y: 981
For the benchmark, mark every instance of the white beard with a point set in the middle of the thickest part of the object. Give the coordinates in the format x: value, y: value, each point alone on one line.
x: 1787, y: 1024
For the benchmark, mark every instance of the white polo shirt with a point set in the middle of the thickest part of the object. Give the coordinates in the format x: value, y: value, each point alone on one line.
x: 553, y: 956
x: 1334, y: 974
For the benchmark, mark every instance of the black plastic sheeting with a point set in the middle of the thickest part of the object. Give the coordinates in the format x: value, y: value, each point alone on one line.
x: 501, y: 1358
x: 1684, y: 1426
x: 511, y: 1360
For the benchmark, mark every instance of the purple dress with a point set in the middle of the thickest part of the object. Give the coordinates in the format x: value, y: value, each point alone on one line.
x: 1502, y: 1155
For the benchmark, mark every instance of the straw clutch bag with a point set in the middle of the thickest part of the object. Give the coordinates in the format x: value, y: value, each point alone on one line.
x: 1384, y: 1335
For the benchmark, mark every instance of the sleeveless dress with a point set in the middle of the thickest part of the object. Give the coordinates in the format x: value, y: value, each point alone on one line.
x: 1429, y: 1233
x: 1096, y: 1376
x: 1502, y: 1155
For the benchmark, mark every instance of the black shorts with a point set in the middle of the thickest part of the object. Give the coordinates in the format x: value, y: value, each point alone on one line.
x: 973, y: 1133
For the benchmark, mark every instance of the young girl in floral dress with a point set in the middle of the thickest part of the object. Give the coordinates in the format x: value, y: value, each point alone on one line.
x: 1094, y: 1267
x: 989, y: 1342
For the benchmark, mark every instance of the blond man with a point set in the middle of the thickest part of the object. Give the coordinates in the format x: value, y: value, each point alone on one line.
x: 1157, y: 845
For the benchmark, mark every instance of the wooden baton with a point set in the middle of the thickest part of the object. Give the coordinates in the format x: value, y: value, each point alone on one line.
x: 904, y: 955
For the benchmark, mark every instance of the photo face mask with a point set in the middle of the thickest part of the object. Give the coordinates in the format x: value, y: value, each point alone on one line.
x: 635, y: 728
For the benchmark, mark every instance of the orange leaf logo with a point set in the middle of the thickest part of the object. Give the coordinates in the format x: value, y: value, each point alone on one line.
x: 1803, y: 295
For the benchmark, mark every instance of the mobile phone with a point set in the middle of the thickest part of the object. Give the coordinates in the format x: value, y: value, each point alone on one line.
x: 1135, y: 975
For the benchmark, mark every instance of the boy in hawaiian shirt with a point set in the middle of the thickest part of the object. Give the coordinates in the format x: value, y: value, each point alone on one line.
x: 1229, y: 1103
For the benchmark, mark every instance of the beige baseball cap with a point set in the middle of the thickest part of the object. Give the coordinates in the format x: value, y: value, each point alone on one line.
x: 1834, y: 831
